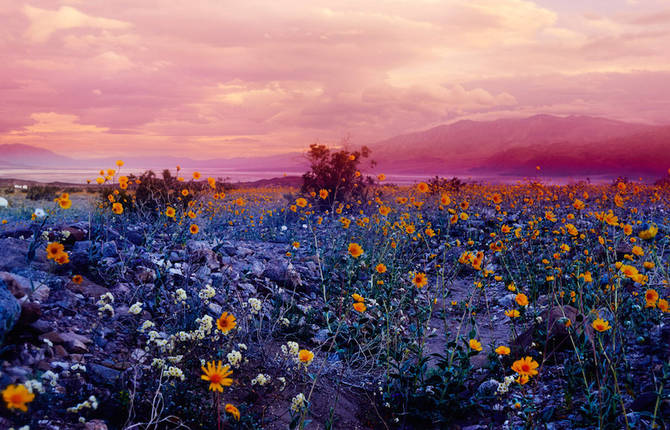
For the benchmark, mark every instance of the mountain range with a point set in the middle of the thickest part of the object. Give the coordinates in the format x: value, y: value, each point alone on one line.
x: 562, y: 146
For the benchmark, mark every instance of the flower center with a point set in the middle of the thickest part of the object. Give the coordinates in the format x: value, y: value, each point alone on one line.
x: 525, y: 367
x: 215, y: 378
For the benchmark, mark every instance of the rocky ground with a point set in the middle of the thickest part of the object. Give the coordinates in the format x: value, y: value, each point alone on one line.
x: 54, y: 333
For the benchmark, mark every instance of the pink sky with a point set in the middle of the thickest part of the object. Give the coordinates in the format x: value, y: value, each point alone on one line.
x: 222, y: 78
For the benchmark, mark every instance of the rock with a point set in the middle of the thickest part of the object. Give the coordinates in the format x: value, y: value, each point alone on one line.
x: 87, y: 288
x: 135, y: 236
x: 41, y: 294
x: 282, y: 272
x: 95, y: 425
x: 10, y: 310
x: 13, y: 253
x: 488, y: 388
x: 243, y: 252
x: 558, y: 331
x: 21, y: 287
x: 145, y: 275
x: 507, y: 301
x: 257, y: 268
x: 103, y: 375
x: 109, y: 249
x: 215, y: 308
x: 30, y: 313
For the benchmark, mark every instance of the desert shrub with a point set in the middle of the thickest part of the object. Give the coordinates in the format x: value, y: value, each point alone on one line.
x: 337, y: 172
x: 438, y: 185
x: 41, y: 192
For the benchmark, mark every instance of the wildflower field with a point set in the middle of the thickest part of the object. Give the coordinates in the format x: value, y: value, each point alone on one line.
x: 426, y: 306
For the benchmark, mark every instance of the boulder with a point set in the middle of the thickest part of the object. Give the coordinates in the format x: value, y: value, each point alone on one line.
x: 10, y: 310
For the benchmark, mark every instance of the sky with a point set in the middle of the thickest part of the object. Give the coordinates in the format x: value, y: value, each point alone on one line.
x: 220, y: 78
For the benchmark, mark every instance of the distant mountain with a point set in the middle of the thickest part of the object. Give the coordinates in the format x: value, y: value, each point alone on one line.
x: 562, y: 146
x: 573, y: 145
x: 20, y: 155
x: 26, y: 156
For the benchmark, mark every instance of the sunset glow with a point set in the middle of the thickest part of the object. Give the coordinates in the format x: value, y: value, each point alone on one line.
x: 226, y: 79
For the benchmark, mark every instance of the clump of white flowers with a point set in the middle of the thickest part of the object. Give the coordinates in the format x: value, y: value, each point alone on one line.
x: 51, y: 377
x: 105, y: 304
x: 207, y: 293
x: 136, y: 308
x: 146, y: 325
x: 92, y: 402
x: 180, y: 296
x: 255, y: 305
x: 503, y: 387
x: 234, y: 358
x: 290, y: 349
x: 33, y: 385
x: 298, y: 402
x: 260, y: 379
x: 174, y: 372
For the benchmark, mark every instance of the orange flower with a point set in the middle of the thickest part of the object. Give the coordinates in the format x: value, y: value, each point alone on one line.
x: 422, y: 187
x: 475, y: 344
x: 226, y: 322
x: 525, y: 367
x: 305, y: 356
x: 54, y: 249
x: 170, y: 212
x: 301, y: 202
x: 323, y: 194
x: 357, y: 297
x: 196, y: 175
x: 601, y: 325
x: 232, y: 410
x: 380, y: 268
x: 513, y: 313
x: 194, y: 229
x: 521, y: 299
x: 117, y: 208
x: 217, y: 375
x: 16, y: 397
x: 651, y: 296
x: 420, y: 280
x: 502, y: 350
x: 360, y: 307
x: 77, y: 279
x: 355, y: 250
x: 62, y: 258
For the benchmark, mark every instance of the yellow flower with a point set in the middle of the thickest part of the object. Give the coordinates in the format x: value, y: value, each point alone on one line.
x: 117, y: 208
x: 512, y: 313
x: 651, y: 296
x: 212, y: 183
x: 65, y: 203
x: 305, y: 356
x: 502, y: 350
x: 119, y: 163
x: 420, y: 280
x: 16, y: 397
x: 170, y: 211
x: 357, y: 297
x: 525, y: 367
x: 232, y: 410
x: 301, y: 202
x: 194, y: 229
x: 323, y: 194
x: 355, y: 250
x: 217, y: 376
x: 226, y: 322
x: 196, y: 175
x: 475, y: 345
x: 54, y: 249
x: 521, y: 299
x: 422, y: 187
x: 601, y: 325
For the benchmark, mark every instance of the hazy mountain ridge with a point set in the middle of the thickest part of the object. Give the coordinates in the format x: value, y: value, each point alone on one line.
x: 572, y: 145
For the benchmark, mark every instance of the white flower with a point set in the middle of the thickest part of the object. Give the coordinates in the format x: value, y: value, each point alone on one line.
x: 207, y: 293
x: 234, y: 358
x: 180, y: 295
x: 255, y: 305
x: 146, y: 325
x: 39, y: 213
x: 260, y: 379
x: 136, y: 308
x: 298, y: 402
x: 284, y: 228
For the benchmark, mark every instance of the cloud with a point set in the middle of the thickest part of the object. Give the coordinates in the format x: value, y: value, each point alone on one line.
x: 44, y: 22
x: 169, y: 76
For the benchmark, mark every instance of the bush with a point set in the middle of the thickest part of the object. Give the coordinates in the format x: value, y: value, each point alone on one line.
x: 41, y: 192
x: 336, y: 172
